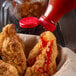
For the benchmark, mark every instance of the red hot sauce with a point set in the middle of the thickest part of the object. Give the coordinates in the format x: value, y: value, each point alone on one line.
x: 48, y: 53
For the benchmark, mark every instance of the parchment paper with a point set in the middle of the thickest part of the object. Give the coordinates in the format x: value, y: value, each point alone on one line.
x: 67, y: 64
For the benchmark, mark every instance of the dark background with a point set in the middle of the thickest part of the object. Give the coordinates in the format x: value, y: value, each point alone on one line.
x: 68, y: 27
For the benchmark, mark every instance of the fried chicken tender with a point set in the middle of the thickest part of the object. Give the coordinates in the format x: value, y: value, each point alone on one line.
x: 12, y: 48
x: 45, y: 53
x: 7, y: 69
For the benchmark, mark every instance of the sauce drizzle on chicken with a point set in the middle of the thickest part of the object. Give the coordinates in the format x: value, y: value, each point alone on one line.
x: 48, y: 52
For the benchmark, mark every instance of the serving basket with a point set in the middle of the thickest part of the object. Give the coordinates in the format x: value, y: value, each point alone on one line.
x: 66, y: 60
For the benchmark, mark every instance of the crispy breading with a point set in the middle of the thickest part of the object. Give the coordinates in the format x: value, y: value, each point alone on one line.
x: 7, y: 69
x: 45, y: 53
x: 12, y: 48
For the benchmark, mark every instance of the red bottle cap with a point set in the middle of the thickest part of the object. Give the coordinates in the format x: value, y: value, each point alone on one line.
x: 46, y: 24
x: 29, y: 22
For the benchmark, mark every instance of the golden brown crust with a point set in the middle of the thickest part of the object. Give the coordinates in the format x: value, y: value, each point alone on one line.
x: 7, y: 69
x: 34, y: 52
x: 12, y: 48
x: 39, y: 68
x: 29, y: 8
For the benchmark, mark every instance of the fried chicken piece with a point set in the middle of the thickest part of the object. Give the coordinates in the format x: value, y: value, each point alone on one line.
x: 12, y: 48
x: 45, y: 52
x: 45, y: 37
x: 7, y: 69
x: 34, y: 53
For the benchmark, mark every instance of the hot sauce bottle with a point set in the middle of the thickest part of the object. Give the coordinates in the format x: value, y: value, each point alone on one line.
x: 56, y: 9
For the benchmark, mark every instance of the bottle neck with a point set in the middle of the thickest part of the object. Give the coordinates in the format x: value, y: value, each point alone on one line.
x: 51, y: 26
x: 58, y: 8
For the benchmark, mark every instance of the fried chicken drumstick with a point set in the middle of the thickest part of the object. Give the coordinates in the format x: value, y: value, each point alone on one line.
x: 43, y: 56
x: 12, y: 48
